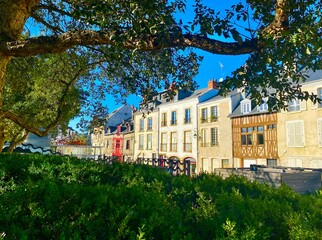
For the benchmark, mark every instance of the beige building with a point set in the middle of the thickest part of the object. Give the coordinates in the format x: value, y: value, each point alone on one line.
x: 128, y: 144
x: 215, y: 132
x: 146, y: 131
x: 300, y: 129
x: 178, y: 123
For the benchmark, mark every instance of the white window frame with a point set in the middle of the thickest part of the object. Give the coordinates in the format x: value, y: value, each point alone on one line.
x: 246, y: 106
x: 141, y: 142
x: 294, y: 105
x: 149, y: 142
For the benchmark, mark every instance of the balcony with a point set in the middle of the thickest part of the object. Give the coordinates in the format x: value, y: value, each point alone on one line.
x: 207, y: 144
x: 163, y: 123
x: 163, y: 147
x: 173, y: 147
x: 187, y: 147
x: 149, y: 128
x: 214, y: 119
x: 203, y: 120
x: 174, y: 122
x: 187, y: 120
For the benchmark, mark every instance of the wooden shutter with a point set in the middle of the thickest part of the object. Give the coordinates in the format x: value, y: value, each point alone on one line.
x: 290, y: 134
x: 320, y: 131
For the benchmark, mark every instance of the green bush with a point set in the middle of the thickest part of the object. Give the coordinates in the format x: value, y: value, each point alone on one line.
x: 52, y: 197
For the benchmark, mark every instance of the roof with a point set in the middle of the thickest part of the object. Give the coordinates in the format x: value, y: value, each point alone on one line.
x: 119, y: 115
x: 313, y: 75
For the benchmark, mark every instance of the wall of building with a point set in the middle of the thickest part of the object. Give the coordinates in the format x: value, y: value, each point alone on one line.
x: 180, y: 128
x: 217, y: 156
x: 128, y: 149
x: 145, y: 152
x: 310, y: 154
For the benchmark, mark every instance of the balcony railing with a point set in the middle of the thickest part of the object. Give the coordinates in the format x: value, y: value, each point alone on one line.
x: 174, y: 122
x: 207, y: 144
x: 204, y: 120
x: 163, y: 147
x: 163, y: 123
x: 173, y: 147
x: 213, y: 118
x: 187, y: 147
x: 187, y: 120
x: 149, y: 128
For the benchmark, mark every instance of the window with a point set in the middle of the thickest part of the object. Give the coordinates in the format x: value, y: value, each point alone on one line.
x: 204, y: 115
x: 149, y: 142
x: 107, y: 143
x: 127, y: 146
x: 214, y: 136
x: 187, y: 117
x: 247, y: 136
x: 173, y: 118
x: 187, y: 145
x: 319, y: 95
x: 294, y: 105
x: 163, y: 142
x: 271, y: 126
x: 225, y: 163
x: 149, y: 123
x: 163, y: 119
x: 260, y: 135
x: 173, y: 143
x: 204, y: 142
x: 141, y: 124
x: 246, y: 106
x: 214, y: 114
x: 295, y: 133
x: 118, y: 144
x: 272, y: 162
x: 263, y: 106
x: 141, y: 141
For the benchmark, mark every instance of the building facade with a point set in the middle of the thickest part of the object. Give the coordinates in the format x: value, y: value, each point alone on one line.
x: 178, y: 125
x: 254, y: 135
x: 300, y: 128
x: 214, y: 132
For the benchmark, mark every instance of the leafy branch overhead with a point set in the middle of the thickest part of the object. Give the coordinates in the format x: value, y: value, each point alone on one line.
x: 140, y: 46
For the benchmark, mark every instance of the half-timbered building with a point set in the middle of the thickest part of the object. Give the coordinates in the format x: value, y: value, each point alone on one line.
x: 254, y: 135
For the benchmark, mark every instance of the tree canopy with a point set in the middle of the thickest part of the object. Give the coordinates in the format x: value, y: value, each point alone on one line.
x: 141, y: 46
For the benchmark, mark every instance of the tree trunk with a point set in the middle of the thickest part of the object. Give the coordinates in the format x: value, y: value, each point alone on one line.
x: 2, y: 139
x: 16, y: 142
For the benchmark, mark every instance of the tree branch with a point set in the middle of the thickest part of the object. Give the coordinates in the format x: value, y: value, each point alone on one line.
x: 280, y: 22
x: 62, y: 42
x: 42, y: 21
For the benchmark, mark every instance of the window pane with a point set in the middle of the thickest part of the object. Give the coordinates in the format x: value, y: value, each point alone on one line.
x: 243, y: 140
x: 260, y: 138
x: 249, y: 139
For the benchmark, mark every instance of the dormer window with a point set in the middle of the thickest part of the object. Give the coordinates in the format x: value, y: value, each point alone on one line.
x: 246, y: 106
x: 263, y: 106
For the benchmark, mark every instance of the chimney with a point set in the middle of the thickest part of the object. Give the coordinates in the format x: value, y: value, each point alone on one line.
x: 212, y: 84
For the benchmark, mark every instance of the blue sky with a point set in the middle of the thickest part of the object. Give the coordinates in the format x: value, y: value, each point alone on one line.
x: 213, y: 66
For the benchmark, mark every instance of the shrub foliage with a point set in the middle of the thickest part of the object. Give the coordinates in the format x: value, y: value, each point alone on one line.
x: 51, y: 197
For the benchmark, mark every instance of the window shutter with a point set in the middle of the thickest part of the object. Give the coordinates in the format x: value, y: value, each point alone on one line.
x: 290, y: 134
x: 320, y: 132
x: 300, y: 133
